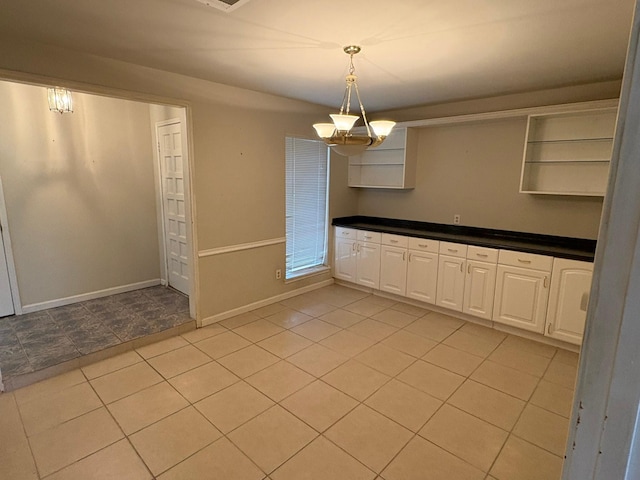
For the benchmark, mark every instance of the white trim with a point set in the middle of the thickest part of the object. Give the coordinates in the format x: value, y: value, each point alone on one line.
x: 240, y: 247
x: 8, y: 251
x: 308, y: 272
x: 263, y: 303
x: 59, y: 302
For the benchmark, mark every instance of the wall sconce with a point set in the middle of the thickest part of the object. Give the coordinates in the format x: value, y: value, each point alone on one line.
x: 60, y: 100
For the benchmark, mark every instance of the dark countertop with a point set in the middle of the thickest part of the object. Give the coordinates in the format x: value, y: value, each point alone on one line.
x: 563, y: 247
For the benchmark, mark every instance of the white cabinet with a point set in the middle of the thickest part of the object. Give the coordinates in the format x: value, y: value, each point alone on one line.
x: 480, y: 282
x: 368, y: 264
x: 451, y: 266
x: 522, y: 290
x: 345, y: 244
x: 422, y: 269
x: 568, y: 299
x: 390, y: 165
x: 357, y: 256
x: 393, y: 264
x: 568, y: 153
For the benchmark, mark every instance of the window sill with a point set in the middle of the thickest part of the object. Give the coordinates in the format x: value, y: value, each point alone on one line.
x: 309, y: 272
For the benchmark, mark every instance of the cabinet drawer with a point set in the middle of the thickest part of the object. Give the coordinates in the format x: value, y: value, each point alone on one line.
x: 342, y: 232
x: 365, y: 236
x: 395, y: 240
x: 453, y: 249
x: 525, y: 260
x: 424, y: 244
x: 482, y: 254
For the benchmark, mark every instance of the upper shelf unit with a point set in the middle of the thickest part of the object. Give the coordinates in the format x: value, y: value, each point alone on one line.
x: 390, y: 165
x: 568, y: 153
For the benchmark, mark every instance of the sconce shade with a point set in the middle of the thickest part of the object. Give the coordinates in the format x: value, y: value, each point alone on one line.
x: 60, y: 100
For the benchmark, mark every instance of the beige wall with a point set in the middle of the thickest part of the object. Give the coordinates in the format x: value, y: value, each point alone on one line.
x: 79, y: 193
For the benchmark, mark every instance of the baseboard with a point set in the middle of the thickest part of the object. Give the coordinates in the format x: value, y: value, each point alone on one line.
x: 263, y: 303
x: 34, y: 307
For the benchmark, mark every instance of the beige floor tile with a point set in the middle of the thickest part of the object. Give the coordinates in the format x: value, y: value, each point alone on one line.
x: 112, y: 364
x: 43, y: 413
x: 410, y: 309
x: 370, y: 437
x: 317, y: 360
x: 269, y: 310
x: 543, y: 428
x: 49, y: 386
x: 258, y: 330
x: 272, y: 437
x: 487, y: 333
x: 473, y: 344
x: 219, y: 461
x: 365, y: 307
x: 15, y: 455
x: 203, y: 333
x: 530, y: 346
x: 431, y: 379
x: 505, y: 379
x: 64, y: 444
x: 452, y: 359
x: 553, y: 397
x: 561, y: 374
x: 420, y: 458
x: 280, y: 380
x: 179, y: 361
x: 406, y: 405
x: 233, y: 406
x: 129, y: 380
x: 146, y: 407
x: 239, y: 320
x: 315, y: 329
x: 342, y: 318
x: 118, y: 461
x: 319, y: 405
x: 355, y: 379
x: 407, y: 342
x: 520, y: 360
x: 164, y: 346
x: 491, y: 405
x: 171, y: 440
x: 373, y: 329
x: 322, y: 460
x: 308, y: 306
x: 248, y: 361
x: 565, y: 356
x: 433, y: 326
x: 288, y: 318
x: 285, y: 344
x: 520, y: 460
x: 465, y: 436
x: 397, y: 318
x: 203, y: 381
x: 347, y: 343
x: 223, y: 344
x: 384, y: 359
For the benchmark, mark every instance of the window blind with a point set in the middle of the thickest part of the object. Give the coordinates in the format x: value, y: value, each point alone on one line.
x: 306, y: 205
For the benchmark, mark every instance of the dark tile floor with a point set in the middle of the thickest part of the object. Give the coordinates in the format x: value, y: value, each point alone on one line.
x: 38, y: 340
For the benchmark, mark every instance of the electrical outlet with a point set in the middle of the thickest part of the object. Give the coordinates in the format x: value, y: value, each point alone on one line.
x: 456, y: 219
x: 278, y: 274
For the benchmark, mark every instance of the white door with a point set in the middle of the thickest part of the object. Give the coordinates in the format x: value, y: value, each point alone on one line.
x: 6, y: 300
x: 345, y: 259
x: 368, y: 265
x: 174, y: 206
x: 479, y: 289
x: 393, y: 270
x: 422, y: 275
x: 450, y: 282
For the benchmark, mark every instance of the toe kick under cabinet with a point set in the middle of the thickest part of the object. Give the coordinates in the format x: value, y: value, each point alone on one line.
x: 537, y: 293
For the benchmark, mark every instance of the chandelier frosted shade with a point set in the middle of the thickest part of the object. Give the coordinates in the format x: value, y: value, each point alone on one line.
x: 338, y: 135
x: 60, y: 100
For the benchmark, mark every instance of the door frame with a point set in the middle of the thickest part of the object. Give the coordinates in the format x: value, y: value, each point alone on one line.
x: 8, y: 252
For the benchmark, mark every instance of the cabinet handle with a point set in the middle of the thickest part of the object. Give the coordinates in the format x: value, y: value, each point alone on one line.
x: 461, y: 267
x: 393, y: 241
x: 423, y: 245
x: 367, y: 237
x: 584, y: 302
x: 524, y: 261
x: 409, y: 257
x: 549, y: 329
x: 469, y: 268
x: 358, y: 248
x: 404, y: 256
x: 482, y: 255
x: 452, y: 250
x: 545, y: 281
x: 354, y: 246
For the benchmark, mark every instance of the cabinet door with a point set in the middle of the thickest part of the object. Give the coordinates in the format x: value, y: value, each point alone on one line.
x: 450, y: 290
x: 344, y: 266
x: 368, y: 265
x: 422, y: 276
x: 393, y: 270
x: 521, y: 297
x: 479, y: 289
x: 568, y: 299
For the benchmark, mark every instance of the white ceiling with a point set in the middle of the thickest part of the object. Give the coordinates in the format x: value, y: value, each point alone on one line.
x: 415, y: 52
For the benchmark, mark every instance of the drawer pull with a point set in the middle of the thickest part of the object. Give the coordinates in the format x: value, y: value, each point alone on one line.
x: 461, y: 267
x: 549, y: 329
x: 584, y: 302
x: 545, y: 281
x: 367, y: 237
x: 524, y: 261
x: 393, y: 241
x: 409, y: 257
x: 469, y: 268
x: 404, y: 256
x: 452, y: 250
x: 482, y: 255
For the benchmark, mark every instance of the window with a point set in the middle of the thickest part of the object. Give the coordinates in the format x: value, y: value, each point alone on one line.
x: 306, y: 210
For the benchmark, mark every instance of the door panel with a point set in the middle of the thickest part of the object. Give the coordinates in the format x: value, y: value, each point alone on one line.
x: 393, y: 270
x: 422, y: 276
x: 479, y: 289
x: 368, y: 265
x: 450, y: 282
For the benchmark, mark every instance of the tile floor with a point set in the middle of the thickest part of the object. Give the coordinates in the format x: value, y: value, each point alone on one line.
x: 333, y: 384
x: 38, y: 340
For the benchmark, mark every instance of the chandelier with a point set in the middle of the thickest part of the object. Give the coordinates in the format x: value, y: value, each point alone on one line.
x: 60, y: 100
x: 338, y: 135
